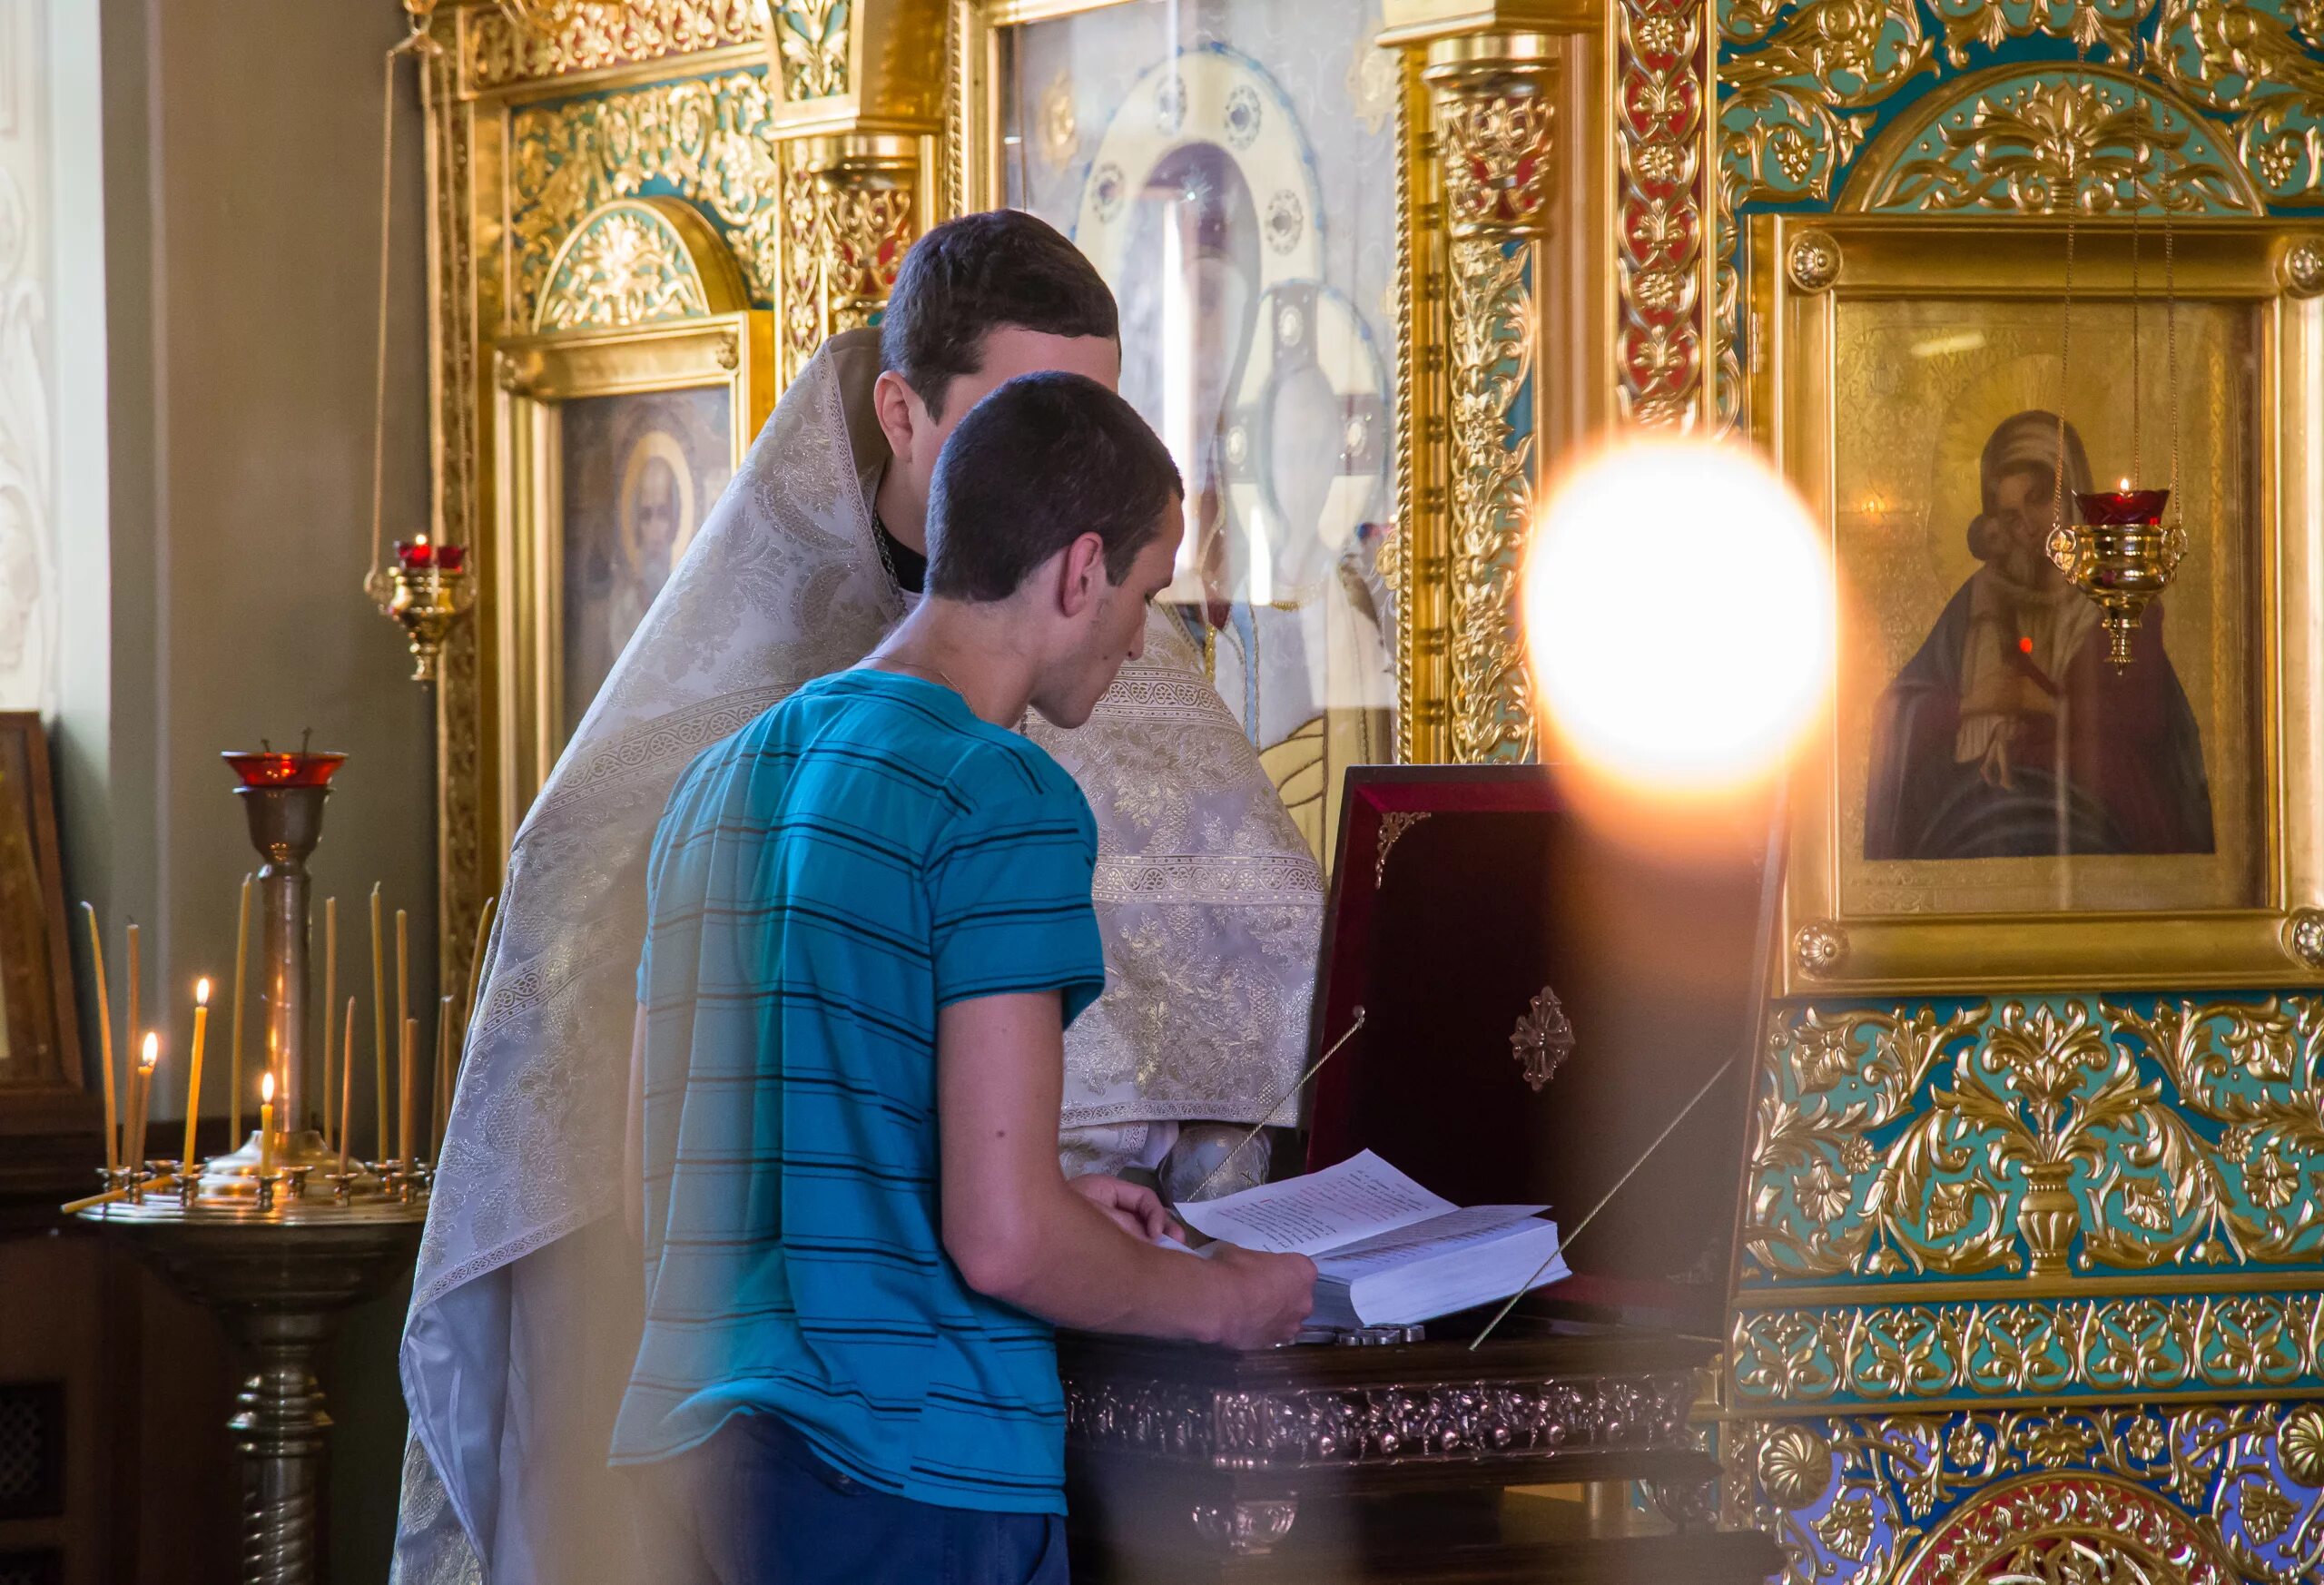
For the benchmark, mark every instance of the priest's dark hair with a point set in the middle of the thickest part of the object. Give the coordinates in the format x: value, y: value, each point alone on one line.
x: 969, y: 277
x: 1040, y: 461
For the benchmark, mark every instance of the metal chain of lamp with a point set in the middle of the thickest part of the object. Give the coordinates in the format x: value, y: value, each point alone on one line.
x: 2117, y: 550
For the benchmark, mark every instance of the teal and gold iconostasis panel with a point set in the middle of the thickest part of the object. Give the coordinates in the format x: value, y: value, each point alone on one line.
x: 2030, y: 1288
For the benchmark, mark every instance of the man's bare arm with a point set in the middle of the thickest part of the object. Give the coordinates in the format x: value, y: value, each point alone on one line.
x: 1021, y: 1235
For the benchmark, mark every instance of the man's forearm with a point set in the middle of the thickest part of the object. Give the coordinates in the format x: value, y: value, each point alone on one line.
x: 1075, y: 1267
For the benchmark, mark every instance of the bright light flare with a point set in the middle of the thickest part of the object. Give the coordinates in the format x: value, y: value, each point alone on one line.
x: 1678, y: 616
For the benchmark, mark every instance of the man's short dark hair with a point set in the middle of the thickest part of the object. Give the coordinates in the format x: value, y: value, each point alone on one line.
x: 971, y: 276
x: 1042, y: 461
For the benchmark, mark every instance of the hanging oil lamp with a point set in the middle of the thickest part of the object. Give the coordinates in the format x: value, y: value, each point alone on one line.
x: 2117, y: 549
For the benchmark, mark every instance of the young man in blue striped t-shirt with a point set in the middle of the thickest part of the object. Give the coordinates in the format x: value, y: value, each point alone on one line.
x: 870, y: 922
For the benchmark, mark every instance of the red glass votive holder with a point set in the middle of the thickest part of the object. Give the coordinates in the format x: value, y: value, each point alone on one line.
x: 451, y: 559
x: 417, y: 554
x: 271, y: 769
x: 2122, y: 509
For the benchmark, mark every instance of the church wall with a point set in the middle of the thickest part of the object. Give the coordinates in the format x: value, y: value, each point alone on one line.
x: 213, y: 217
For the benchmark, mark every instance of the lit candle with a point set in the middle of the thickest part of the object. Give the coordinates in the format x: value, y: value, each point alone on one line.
x: 414, y: 555
x: 330, y: 1000
x: 193, y: 1070
x: 105, y: 1039
x: 144, y: 1089
x: 266, y: 1123
x: 2122, y: 509
x: 345, y: 1090
x: 241, y: 961
x: 380, y: 1017
x: 408, y: 1094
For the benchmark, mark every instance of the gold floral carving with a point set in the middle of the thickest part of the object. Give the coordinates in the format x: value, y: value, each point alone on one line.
x: 811, y: 37
x: 1814, y: 261
x: 465, y: 297
x: 2042, y: 142
x: 849, y: 207
x: 626, y: 266
x: 1993, y: 1494
x: 1660, y: 208
x: 706, y: 138
x: 2071, y: 1137
x: 2090, y: 24
x: 2302, y: 271
x: 589, y: 35
x: 1942, y: 1350
x: 2263, y: 65
x: 1542, y: 1040
x: 2304, y: 930
x: 1494, y: 149
x: 1820, y: 948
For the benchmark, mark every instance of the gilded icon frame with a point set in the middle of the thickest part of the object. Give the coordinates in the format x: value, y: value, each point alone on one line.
x: 1803, y: 269
x: 535, y: 375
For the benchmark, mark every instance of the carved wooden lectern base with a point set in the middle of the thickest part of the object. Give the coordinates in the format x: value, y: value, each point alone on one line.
x: 1314, y: 1465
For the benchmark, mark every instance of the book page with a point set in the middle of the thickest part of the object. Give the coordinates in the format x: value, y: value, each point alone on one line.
x: 1361, y: 1197
x: 1455, y: 1229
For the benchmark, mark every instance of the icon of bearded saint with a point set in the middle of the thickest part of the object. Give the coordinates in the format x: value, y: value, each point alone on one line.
x: 2008, y: 733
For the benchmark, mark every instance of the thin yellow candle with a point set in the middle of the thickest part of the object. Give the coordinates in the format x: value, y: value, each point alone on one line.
x: 105, y: 1039
x: 380, y: 1015
x: 406, y: 1098
x: 346, y: 1088
x: 132, y: 1026
x: 144, y: 1087
x: 266, y: 1122
x: 330, y: 998
x: 193, y: 1069
x: 442, y: 1112
x: 242, y: 964
x: 403, y: 968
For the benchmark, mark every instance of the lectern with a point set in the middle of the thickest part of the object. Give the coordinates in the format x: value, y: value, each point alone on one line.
x: 1542, y: 993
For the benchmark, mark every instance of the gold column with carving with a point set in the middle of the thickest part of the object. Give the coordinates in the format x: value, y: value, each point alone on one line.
x: 1479, y: 198
x: 860, y: 123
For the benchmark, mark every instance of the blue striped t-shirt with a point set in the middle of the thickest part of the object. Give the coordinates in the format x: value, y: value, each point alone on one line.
x: 864, y: 853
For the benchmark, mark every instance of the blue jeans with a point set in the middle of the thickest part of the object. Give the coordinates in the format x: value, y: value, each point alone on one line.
x: 755, y: 1506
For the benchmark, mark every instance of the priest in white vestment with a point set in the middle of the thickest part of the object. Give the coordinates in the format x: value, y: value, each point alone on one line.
x: 524, y: 1305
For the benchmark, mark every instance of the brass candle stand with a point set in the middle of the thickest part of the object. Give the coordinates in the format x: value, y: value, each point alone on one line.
x: 283, y: 1235
x: 279, y: 1254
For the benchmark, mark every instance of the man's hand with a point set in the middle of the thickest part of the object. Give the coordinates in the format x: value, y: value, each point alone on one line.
x: 1264, y: 1297
x: 1136, y: 1211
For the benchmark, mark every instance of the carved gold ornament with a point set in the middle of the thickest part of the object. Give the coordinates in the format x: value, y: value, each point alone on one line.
x: 627, y: 265
x: 1814, y: 260
x: 1922, y: 1498
x: 2043, y: 140
x: 1495, y: 120
x: 1542, y: 1040
x: 1820, y: 948
x: 709, y: 138
x: 589, y: 35
x: 1660, y: 204
x: 810, y: 41
x: 2302, y: 266
x: 2065, y: 1140
x: 1393, y: 824
x: 1795, y: 1466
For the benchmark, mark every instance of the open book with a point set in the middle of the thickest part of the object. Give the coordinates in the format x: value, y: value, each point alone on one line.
x: 1387, y: 1252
